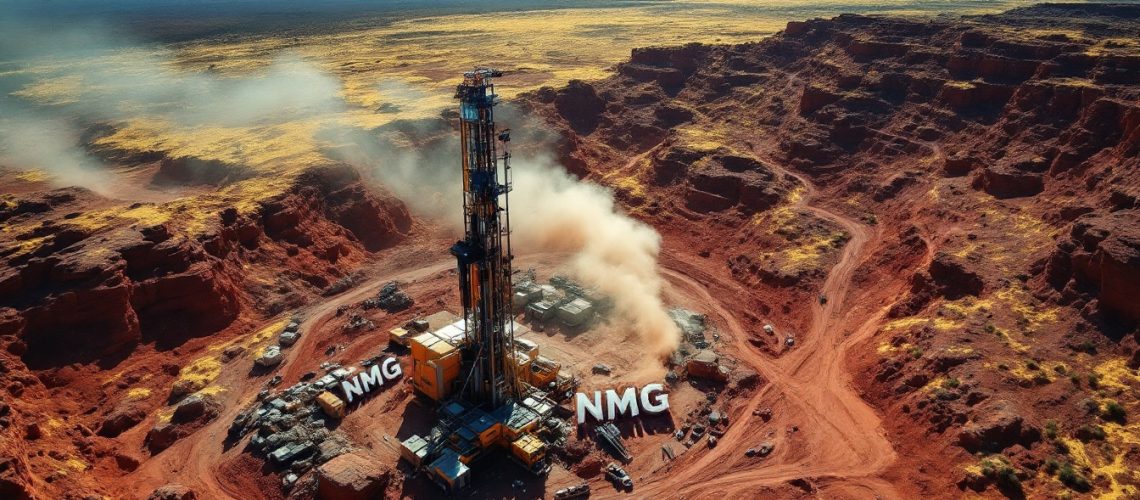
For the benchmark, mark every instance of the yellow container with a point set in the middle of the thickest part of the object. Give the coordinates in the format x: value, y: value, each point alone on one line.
x: 529, y: 449
x: 399, y: 336
x: 332, y: 405
x: 434, y: 377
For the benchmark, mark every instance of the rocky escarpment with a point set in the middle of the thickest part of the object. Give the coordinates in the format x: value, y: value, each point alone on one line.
x: 102, y: 281
x: 1096, y: 269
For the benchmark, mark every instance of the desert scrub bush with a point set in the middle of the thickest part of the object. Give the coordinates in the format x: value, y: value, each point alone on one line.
x: 1087, y: 433
x: 1002, y: 473
x: 1051, y: 429
x: 1114, y: 412
x: 1073, y: 479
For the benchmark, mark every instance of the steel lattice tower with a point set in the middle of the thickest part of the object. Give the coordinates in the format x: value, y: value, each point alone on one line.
x: 484, y: 255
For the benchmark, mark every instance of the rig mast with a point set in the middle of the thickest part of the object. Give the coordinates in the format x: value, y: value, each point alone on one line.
x: 484, y: 255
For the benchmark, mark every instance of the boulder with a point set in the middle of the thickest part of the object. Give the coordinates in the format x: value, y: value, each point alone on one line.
x: 122, y: 418
x: 195, y: 407
x: 952, y: 279
x: 172, y: 491
x: 959, y: 164
x: 1010, y: 180
x: 350, y: 477
x: 997, y: 426
x: 161, y: 437
x: 815, y: 97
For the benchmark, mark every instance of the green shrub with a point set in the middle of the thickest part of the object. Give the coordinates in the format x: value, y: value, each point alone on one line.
x: 1052, y: 465
x: 1113, y: 411
x: 1091, y: 406
x: 1088, y: 433
x: 1094, y: 380
x: 951, y: 383
x: 1002, y: 473
x: 1051, y: 429
x: 1073, y: 479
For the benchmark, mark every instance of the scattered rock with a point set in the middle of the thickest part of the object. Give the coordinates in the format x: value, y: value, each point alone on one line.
x: 172, y: 491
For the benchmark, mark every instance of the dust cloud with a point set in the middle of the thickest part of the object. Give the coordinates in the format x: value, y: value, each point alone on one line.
x: 551, y: 212
x: 609, y: 250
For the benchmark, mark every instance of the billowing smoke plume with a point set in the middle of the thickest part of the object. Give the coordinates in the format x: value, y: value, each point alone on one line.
x: 551, y: 212
x: 554, y: 212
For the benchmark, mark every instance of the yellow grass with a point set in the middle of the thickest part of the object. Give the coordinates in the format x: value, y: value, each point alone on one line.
x: 1007, y: 339
x: 1115, y: 373
x: 967, y: 306
x: 75, y: 464
x: 202, y: 372
x: 138, y: 393
x: 1111, y: 467
x: 631, y: 185
x: 903, y: 323
x: 886, y: 347
x: 1022, y: 305
x: 34, y: 176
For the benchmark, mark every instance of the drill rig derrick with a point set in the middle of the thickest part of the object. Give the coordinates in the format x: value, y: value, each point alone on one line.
x: 484, y: 255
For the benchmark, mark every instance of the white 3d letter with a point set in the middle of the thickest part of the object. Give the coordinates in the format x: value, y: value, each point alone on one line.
x: 626, y: 403
x: 584, y: 404
x: 392, y: 369
x: 662, y: 400
x: 351, y: 388
x: 371, y: 378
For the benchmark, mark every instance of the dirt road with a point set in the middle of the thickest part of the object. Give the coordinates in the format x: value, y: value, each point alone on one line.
x: 822, y: 429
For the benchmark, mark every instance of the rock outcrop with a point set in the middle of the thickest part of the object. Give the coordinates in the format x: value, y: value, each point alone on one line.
x: 1101, y: 255
x: 999, y: 426
x: 352, y: 476
x: 102, y: 286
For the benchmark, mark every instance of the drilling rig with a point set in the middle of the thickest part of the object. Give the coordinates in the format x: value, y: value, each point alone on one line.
x: 484, y: 255
x: 486, y: 385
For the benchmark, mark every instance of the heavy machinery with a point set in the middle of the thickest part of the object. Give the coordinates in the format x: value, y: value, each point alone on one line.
x: 472, y: 366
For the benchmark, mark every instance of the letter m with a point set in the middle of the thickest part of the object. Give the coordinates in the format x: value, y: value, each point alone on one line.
x: 627, y: 403
x: 371, y: 378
